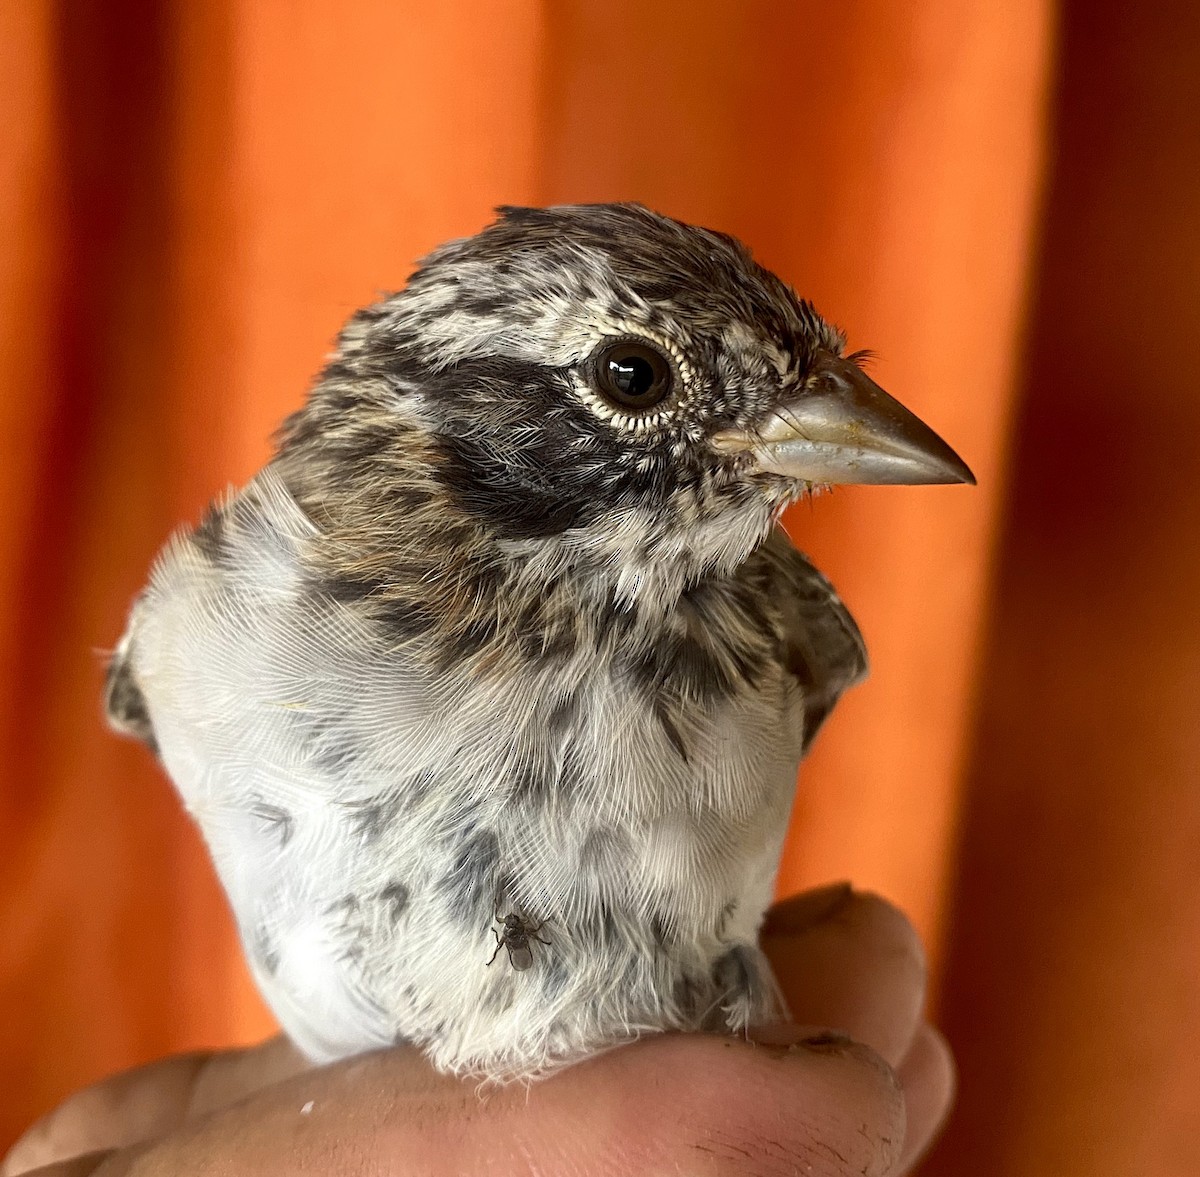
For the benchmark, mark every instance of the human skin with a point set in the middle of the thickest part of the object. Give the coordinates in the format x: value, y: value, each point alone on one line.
x: 858, y: 1084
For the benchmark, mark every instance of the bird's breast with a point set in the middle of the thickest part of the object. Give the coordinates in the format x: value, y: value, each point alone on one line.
x: 646, y: 780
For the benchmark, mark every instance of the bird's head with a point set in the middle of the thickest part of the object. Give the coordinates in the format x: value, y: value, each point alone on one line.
x: 602, y: 386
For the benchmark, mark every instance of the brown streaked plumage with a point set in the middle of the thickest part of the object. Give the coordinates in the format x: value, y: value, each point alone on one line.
x: 507, y: 623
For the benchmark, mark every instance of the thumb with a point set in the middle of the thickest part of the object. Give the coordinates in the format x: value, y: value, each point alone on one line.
x: 149, y: 1101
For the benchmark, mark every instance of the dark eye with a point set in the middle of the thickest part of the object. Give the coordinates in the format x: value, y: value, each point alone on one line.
x: 632, y: 375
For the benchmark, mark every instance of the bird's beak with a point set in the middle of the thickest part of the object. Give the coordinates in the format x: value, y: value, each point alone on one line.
x: 841, y: 427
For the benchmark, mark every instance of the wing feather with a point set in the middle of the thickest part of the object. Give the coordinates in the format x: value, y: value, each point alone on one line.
x: 823, y: 647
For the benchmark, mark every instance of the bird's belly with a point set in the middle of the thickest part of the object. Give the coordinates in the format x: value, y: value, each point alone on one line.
x: 368, y: 848
x: 642, y: 869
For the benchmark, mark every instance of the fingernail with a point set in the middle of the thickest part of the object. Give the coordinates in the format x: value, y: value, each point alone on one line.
x: 826, y: 1042
x: 804, y: 911
x: 782, y: 1038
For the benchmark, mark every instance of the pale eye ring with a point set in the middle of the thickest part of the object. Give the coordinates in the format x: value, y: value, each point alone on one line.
x: 631, y: 373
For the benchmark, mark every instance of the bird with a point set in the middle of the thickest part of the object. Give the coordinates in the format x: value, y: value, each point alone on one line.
x: 507, y: 631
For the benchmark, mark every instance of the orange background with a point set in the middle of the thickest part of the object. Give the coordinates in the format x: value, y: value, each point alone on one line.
x: 1001, y: 200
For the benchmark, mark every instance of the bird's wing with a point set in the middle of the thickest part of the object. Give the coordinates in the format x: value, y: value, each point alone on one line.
x: 124, y: 704
x: 243, y: 667
x: 295, y: 738
x: 192, y: 573
x: 822, y: 645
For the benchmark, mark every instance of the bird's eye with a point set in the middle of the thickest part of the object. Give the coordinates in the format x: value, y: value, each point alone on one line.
x: 632, y: 375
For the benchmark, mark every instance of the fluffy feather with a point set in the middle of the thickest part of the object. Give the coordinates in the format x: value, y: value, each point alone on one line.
x: 477, y: 642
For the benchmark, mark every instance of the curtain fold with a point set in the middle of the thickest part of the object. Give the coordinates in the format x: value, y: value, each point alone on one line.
x: 194, y: 195
x: 1071, y: 986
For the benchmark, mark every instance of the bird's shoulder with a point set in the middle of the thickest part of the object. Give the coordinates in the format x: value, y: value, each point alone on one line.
x: 230, y: 632
x: 245, y: 549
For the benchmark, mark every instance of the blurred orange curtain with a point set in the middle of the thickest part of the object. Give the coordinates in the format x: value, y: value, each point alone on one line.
x: 1001, y: 200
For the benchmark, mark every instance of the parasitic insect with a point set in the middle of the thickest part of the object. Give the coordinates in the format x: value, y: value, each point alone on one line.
x: 515, y: 935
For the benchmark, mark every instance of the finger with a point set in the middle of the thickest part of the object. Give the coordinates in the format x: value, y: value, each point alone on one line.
x: 928, y: 1078
x: 149, y: 1101
x: 85, y: 1166
x: 699, y: 1104
x: 852, y: 961
x: 231, y: 1075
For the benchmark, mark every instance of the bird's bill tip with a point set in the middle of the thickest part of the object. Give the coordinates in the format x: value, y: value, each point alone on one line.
x: 842, y: 428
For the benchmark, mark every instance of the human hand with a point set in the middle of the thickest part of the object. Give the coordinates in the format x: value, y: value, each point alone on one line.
x: 797, y: 1098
